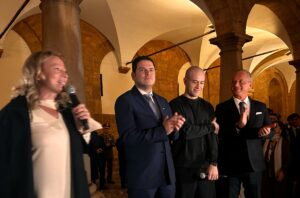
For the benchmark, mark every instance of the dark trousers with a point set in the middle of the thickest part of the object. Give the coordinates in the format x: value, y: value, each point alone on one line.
x: 196, y: 189
x: 108, y: 163
x: 102, y: 163
x: 271, y: 188
x: 230, y: 187
x: 251, y: 183
x: 101, y: 168
x: 189, y: 185
x: 122, y: 171
x: 167, y: 191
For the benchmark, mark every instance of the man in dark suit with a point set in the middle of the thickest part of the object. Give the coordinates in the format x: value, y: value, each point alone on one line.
x: 294, y: 172
x: 145, y: 124
x: 243, y: 123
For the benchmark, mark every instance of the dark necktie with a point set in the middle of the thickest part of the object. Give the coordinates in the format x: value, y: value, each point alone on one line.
x: 242, y: 107
x: 152, y: 105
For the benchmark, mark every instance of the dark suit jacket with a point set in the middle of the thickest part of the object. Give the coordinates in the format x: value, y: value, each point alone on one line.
x: 295, y: 152
x: 16, y: 174
x: 240, y: 151
x: 147, y: 148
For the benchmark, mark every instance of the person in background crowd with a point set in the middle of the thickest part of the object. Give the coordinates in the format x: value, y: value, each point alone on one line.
x: 97, y: 145
x: 107, y: 153
x: 294, y: 170
x: 277, y: 158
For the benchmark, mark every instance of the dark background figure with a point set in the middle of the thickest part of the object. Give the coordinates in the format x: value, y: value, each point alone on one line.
x: 294, y: 170
x: 243, y: 124
x: 107, y: 153
x: 97, y: 144
x: 277, y: 158
x: 122, y: 163
x: 93, y: 158
x: 196, y: 149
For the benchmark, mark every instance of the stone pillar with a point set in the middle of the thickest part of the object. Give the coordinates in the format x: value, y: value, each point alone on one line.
x: 296, y: 64
x: 61, y: 33
x: 230, y: 45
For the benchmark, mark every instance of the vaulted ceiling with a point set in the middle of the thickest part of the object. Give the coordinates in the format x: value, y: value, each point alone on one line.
x: 128, y: 25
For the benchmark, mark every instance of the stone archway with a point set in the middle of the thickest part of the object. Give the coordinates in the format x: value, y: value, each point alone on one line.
x: 291, y: 99
x: 270, y: 88
x: 275, y: 94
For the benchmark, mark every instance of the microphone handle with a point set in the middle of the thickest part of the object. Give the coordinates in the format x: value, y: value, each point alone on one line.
x: 74, y: 100
x: 75, y: 103
x: 85, y: 124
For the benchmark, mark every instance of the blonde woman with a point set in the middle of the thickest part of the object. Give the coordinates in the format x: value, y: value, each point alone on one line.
x: 41, y: 143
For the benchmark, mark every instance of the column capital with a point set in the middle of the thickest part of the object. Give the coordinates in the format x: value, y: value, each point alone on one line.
x: 296, y: 64
x: 66, y: 2
x: 231, y: 41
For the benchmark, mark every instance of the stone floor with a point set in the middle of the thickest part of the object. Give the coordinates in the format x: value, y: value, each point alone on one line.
x: 113, y: 191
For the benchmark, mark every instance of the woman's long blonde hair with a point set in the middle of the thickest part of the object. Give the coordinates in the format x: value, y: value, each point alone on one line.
x: 32, y: 69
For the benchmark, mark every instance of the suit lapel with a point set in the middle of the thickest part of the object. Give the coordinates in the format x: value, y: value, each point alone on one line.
x: 161, y: 105
x: 235, y: 111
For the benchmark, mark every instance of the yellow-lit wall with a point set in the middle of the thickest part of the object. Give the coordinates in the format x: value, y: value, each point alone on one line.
x: 11, y: 62
x: 114, y: 83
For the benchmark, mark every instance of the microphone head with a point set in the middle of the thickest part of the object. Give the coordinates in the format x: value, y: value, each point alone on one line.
x: 202, y: 175
x: 70, y: 89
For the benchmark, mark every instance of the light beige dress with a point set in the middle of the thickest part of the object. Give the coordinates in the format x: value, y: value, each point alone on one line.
x: 51, y: 153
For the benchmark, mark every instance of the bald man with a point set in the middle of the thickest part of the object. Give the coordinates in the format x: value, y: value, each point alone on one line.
x: 244, y: 122
x: 195, y: 151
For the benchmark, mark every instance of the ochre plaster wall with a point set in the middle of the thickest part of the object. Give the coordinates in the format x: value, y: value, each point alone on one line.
x: 168, y: 64
x: 265, y: 91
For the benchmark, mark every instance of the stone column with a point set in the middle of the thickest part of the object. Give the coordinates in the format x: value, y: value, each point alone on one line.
x: 296, y: 64
x: 230, y: 45
x: 61, y: 33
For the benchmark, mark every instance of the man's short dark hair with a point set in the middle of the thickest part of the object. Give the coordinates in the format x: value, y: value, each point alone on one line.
x: 137, y: 60
x: 293, y: 116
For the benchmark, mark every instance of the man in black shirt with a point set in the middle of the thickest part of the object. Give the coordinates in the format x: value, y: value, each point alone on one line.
x: 195, y: 152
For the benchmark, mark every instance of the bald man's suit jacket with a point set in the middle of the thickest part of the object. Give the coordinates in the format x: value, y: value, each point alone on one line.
x: 241, y: 150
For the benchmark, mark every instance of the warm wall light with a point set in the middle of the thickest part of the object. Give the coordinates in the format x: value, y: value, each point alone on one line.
x: 123, y: 69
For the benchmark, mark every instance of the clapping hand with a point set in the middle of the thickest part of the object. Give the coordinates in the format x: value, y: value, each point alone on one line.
x: 244, y: 117
x: 173, y: 123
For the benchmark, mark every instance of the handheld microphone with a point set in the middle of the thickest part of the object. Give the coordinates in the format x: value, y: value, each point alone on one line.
x: 204, y: 176
x: 75, y: 102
